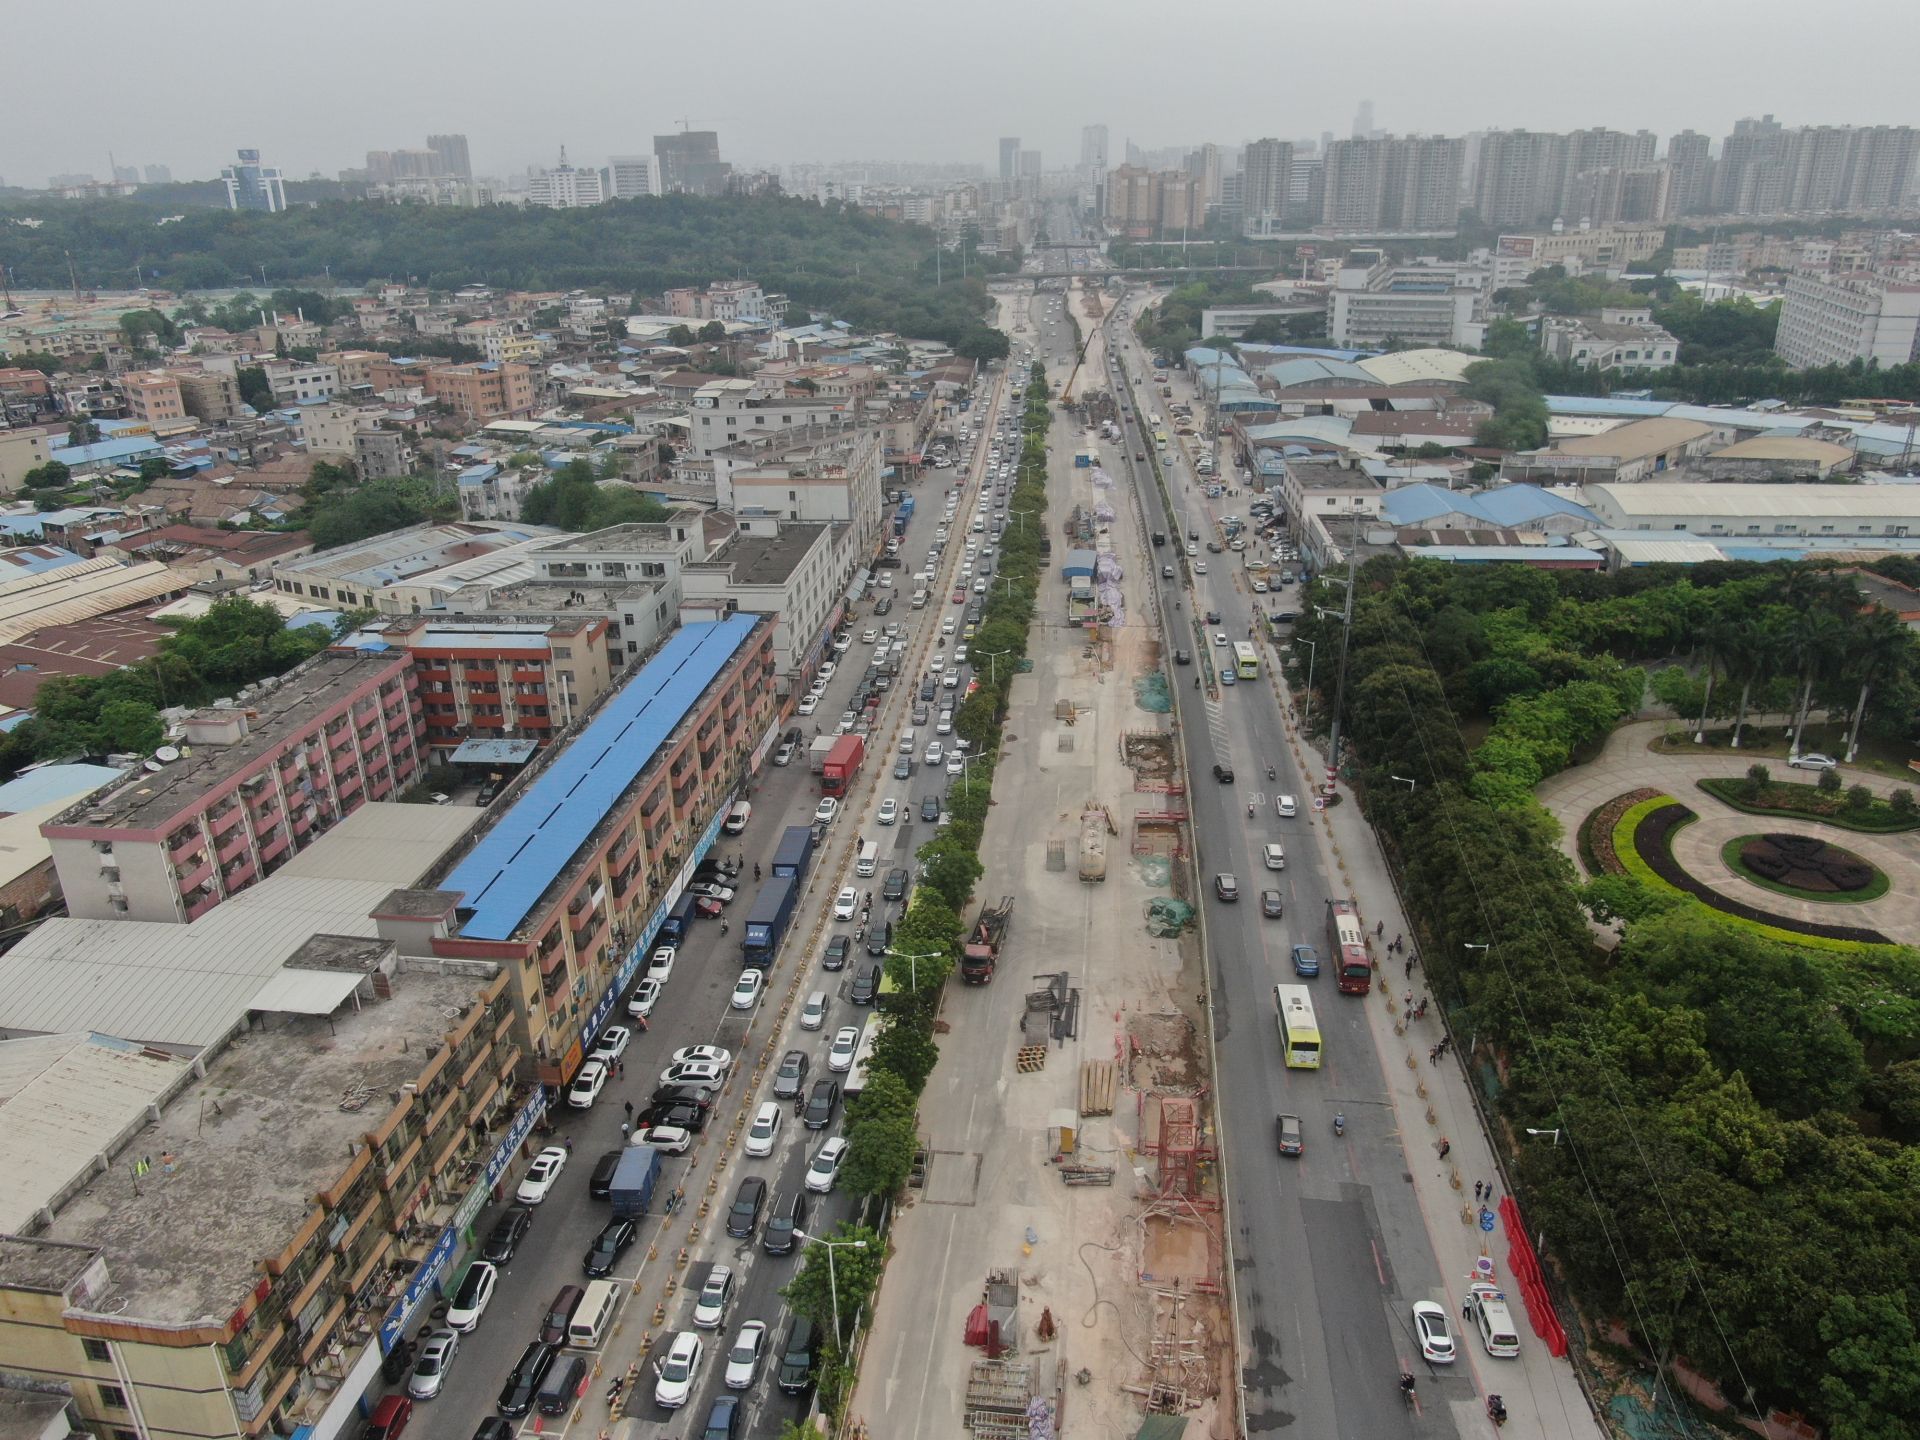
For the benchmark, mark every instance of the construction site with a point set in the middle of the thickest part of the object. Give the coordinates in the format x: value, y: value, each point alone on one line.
x: 1060, y: 1271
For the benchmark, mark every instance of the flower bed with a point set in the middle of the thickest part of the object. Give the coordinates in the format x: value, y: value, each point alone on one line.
x: 1649, y: 857
x: 1785, y: 797
x: 1805, y: 867
x: 1594, y: 839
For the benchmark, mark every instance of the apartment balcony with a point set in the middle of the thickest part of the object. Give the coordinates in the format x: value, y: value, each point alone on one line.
x: 185, y: 845
x: 302, y: 823
x: 553, y: 959
x: 197, y: 908
x: 398, y: 720
x: 489, y: 722
x: 536, y: 722
x: 192, y: 879
x: 380, y: 788
x: 245, y: 872
x: 234, y: 845
x: 529, y: 676
x: 275, y: 847
x: 350, y: 786
x: 222, y: 821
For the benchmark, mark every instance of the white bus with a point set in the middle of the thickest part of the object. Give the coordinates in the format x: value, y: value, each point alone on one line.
x: 862, y: 1057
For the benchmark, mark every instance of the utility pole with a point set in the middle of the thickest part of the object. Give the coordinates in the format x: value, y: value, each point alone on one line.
x: 1346, y: 635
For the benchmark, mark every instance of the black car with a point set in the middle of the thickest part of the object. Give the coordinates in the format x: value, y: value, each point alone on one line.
x: 680, y: 1114
x: 877, y: 942
x: 1213, y: 617
x: 930, y: 809
x: 836, y: 955
x: 866, y: 984
x: 508, y: 1231
x: 895, y: 885
x: 791, y: 1078
x: 601, y: 1183
x: 789, y: 1215
x: 516, y: 1396
x: 903, y: 768
x: 1271, y: 904
x: 723, y: 1419
x: 494, y: 1428
x: 926, y: 690
x: 821, y: 1104
x: 678, y: 1094
x: 744, y: 1217
x: 1181, y: 657
x: 797, y: 1359
x: 1224, y: 774
x: 609, y: 1245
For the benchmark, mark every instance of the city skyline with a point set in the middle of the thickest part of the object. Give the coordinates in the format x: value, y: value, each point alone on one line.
x: 595, y: 118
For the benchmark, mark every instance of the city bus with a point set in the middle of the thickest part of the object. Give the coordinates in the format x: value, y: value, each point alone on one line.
x: 1347, y: 945
x: 1160, y: 438
x: 1299, y: 1032
x: 862, y: 1058
x: 1246, y: 660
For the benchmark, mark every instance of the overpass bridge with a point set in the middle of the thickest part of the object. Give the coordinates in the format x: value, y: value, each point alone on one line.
x: 1136, y: 272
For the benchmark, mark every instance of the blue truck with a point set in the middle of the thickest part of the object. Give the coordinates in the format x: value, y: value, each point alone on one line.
x: 678, y: 925
x: 903, y: 516
x: 795, y: 852
x: 767, y: 922
x: 633, y: 1180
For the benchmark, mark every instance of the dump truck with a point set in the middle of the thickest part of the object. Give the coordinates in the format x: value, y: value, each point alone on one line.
x: 1093, y: 846
x: 842, y: 764
x: 818, y: 751
x: 633, y: 1180
x: 982, y: 950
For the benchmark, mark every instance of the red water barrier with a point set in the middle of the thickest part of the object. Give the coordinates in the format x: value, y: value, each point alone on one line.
x: 1525, y: 1268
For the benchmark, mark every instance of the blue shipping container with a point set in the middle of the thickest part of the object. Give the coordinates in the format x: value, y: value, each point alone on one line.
x: 767, y: 924
x: 795, y: 852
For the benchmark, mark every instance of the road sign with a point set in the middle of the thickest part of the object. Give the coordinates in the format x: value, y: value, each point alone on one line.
x: 1486, y: 1218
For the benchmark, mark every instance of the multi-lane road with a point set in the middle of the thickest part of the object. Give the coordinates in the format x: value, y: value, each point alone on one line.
x: 1330, y: 1250
x: 694, y: 1009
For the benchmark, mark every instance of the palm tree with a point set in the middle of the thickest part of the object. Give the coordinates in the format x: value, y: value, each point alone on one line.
x: 1718, y: 637
x: 1877, y: 646
x: 1750, y: 641
x: 1812, y: 640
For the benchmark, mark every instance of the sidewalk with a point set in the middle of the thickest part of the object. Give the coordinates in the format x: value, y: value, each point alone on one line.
x: 1432, y: 1102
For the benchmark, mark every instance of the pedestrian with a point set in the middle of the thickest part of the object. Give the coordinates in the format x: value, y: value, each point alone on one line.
x: 620, y: 1069
x: 1433, y: 1055
x: 629, y: 1108
x: 1445, y: 1146
x: 1409, y: 967
x: 1398, y: 936
x: 756, y: 869
x: 641, y: 1020
x: 1476, y: 1192
x: 626, y: 1129
x: 1380, y: 928
x: 568, y: 1142
x: 723, y: 927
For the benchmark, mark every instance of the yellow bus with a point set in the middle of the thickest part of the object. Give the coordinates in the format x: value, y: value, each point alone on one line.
x: 1160, y: 438
x: 1299, y: 1032
x: 1246, y: 660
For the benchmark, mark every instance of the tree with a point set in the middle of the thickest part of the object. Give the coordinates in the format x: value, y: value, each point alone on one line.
x: 129, y: 727
x: 254, y: 388
x: 712, y: 333
x: 375, y: 508
x: 83, y: 432
x: 880, y: 1153
x: 906, y: 1048
x: 53, y: 475
x: 951, y: 869
x: 680, y: 336
x: 859, y: 1256
x: 1871, y: 1389
x: 1877, y: 645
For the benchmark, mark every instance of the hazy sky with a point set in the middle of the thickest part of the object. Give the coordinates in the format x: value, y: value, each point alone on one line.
x: 315, y: 86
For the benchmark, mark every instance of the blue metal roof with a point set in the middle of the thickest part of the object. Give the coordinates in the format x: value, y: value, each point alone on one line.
x: 524, y: 853
x: 37, y: 560
x: 50, y: 783
x: 105, y: 450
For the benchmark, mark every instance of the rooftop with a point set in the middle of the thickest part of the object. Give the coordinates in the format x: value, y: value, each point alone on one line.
x: 270, y: 1112
x: 1328, y: 475
x: 419, y: 550
x: 531, y: 846
x: 1787, y: 447
x: 764, y: 559
x: 1755, y: 502
x: 1413, y: 367
x: 152, y: 800
x: 1637, y: 440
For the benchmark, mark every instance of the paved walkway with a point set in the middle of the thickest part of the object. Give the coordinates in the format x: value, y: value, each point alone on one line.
x: 1625, y: 763
x: 1432, y: 1104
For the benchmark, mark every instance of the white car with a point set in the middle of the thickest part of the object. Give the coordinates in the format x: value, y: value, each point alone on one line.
x: 703, y: 1055
x: 959, y: 655
x: 937, y: 664
x: 1434, y: 1334
x: 676, y: 1370
x: 746, y: 990
x: 470, y: 1300
x: 1274, y: 855
x: 541, y: 1175
x: 764, y: 1130
x: 743, y: 1360
x: 667, y: 1139
x: 827, y: 667
x: 824, y: 812
x: 588, y: 1084
x: 808, y: 704
x: 944, y: 725
x: 949, y: 625
x: 710, y: 1307
x: 698, y: 1074
x: 980, y: 587
x: 846, y: 903
x: 950, y: 680
x: 660, y: 964
x: 1813, y: 760
x: 645, y: 996
x: 1288, y: 807
x: 846, y: 1040
x: 869, y: 637
x: 956, y: 765
x: 1220, y: 637
x: 889, y: 810
x: 824, y: 1168
x: 612, y: 1043
x: 936, y: 752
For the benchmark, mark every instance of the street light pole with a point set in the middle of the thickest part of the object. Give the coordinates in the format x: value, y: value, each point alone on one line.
x: 993, y: 659
x: 833, y: 1283
x: 1346, y: 638
x: 1313, y: 656
x: 1410, y: 784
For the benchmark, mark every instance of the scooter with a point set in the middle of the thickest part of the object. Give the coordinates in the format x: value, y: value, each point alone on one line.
x: 1496, y: 1410
x: 1339, y: 1123
x: 1269, y: 772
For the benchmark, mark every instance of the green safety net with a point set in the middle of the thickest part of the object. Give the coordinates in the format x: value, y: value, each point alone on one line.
x: 1167, y: 918
x: 1150, y: 692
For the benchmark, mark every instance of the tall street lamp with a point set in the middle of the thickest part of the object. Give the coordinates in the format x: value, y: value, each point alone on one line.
x: 833, y: 1284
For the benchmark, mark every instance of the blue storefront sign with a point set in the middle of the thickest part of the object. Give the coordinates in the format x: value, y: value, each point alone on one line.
x: 418, y: 1288
x: 517, y: 1131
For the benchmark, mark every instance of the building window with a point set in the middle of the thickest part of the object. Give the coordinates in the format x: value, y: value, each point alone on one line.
x: 113, y: 1397
x: 96, y: 1349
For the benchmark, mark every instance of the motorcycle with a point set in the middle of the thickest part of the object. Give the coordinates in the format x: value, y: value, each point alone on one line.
x: 1339, y: 1123
x: 1269, y: 772
x: 1407, y: 1385
x: 1496, y: 1410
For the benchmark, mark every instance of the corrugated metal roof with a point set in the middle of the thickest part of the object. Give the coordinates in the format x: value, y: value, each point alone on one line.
x: 511, y: 867
x: 75, y: 595
x: 48, y: 783
x: 306, y: 992
x: 1410, y: 367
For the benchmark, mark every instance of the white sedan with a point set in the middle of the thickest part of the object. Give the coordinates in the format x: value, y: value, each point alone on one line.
x: 824, y: 1168
x: 703, y: 1055
x: 840, y: 1054
x: 764, y: 1130
x: 645, y: 996
x: 845, y: 903
x: 612, y: 1043
x: 807, y: 705
x: 824, y: 812
x: 746, y: 990
x: 541, y: 1175
x: 660, y: 964
x: 743, y: 1360
x: 889, y: 811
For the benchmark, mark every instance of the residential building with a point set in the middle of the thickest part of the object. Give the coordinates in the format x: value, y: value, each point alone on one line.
x: 1009, y: 159
x: 253, y: 186
x: 1376, y: 302
x: 209, y: 395
x: 1767, y: 169
x: 1618, y: 338
x: 207, y: 555
x: 1608, y: 249
x: 1689, y: 159
x: 1144, y: 203
x: 794, y: 574
x: 1266, y: 171
x: 726, y: 300
x: 26, y: 396
x: 20, y: 451
x: 483, y: 391
x: 295, y: 382
x: 1324, y: 495
x: 1093, y: 149
x: 1203, y: 165
x: 499, y: 677
x: 454, y: 159
x: 564, y: 187
x: 1638, y: 450
x: 568, y: 886
x: 154, y: 400
x: 813, y: 475
x: 397, y: 572
x: 690, y: 161
x: 726, y: 411
x: 255, y: 783
x: 1832, y: 318
x: 1390, y: 184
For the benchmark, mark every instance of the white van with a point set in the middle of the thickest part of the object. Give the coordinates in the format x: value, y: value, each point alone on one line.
x: 869, y: 860
x: 738, y: 817
x: 1487, y: 1310
x: 593, y: 1315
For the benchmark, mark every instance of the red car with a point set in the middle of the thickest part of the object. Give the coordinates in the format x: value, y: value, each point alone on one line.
x: 708, y: 908
x: 960, y: 596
